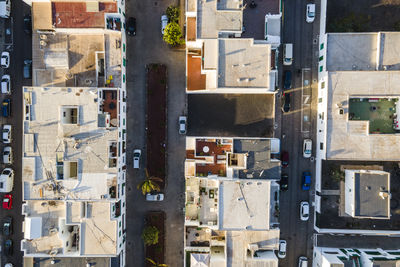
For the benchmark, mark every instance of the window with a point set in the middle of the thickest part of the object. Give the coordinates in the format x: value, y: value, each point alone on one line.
x: 321, y: 68
x: 322, y: 85
x: 321, y: 46
x: 320, y: 100
x: 124, y: 62
x: 321, y: 58
x: 123, y: 78
x: 123, y: 47
x: 321, y: 146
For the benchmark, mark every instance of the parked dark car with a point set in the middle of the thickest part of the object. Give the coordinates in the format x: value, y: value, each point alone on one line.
x: 27, y: 71
x: 306, y: 181
x: 6, y: 107
x: 8, y: 247
x: 287, y: 80
x: 131, y: 26
x: 284, y: 183
x: 28, y: 24
x: 286, y: 102
x: 285, y: 159
x: 7, y: 226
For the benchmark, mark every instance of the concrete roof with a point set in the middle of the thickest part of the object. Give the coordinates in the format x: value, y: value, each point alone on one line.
x: 97, y: 232
x: 215, y: 16
x: 243, y: 64
x: 363, y: 51
x: 350, y: 139
x: 71, y: 59
x: 367, y: 188
x: 244, y: 205
x: 238, y: 242
x: 363, y: 189
x: 85, y: 143
x: 259, y: 163
x: 42, y: 18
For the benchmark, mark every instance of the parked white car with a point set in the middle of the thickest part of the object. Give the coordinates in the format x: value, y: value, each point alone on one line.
x: 155, y: 197
x: 7, y: 155
x: 6, y: 134
x: 6, y: 84
x: 5, y: 59
x: 307, y: 148
x: 310, y: 13
x: 304, y: 211
x: 7, y: 180
x: 182, y: 124
x: 136, y: 158
x: 164, y: 22
x: 282, y: 249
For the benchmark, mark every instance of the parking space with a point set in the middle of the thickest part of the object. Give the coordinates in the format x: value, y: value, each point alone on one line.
x: 248, y: 115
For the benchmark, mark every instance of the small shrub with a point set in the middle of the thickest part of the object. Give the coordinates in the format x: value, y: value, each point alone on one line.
x: 150, y: 235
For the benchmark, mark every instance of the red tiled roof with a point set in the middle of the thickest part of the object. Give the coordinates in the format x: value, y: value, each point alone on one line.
x: 74, y: 14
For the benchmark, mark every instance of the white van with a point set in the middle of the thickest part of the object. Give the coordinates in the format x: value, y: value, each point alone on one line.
x: 303, y: 262
x: 287, y: 54
x: 5, y: 8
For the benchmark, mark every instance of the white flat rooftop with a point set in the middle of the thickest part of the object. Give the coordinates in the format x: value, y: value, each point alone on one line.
x: 218, y: 16
x: 81, y: 151
x: 65, y: 230
x: 244, y: 205
x: 351, y: 140
x: 243, y: 64
x: 238, y: 242
x: 363, y: 51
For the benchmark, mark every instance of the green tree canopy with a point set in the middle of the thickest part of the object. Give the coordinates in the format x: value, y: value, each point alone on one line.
x: 173, y: 13
x: 173, y: 34
x: 150, y: 235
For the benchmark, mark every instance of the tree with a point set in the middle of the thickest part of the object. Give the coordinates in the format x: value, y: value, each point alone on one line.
x: 173, y: 13
x: 149, y: 184
x: 150, y: 235
x: 173, y: 34
x: 155, y: 264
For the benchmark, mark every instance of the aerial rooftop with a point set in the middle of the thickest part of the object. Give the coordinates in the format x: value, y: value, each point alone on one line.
x: 77, y: 59
x: 363, y: 51
x: 245, y: 205
x: 218, y: 16
x: 60, y: 228
x: 58, y: 14
x: 243, y: 64
x: 367, y: 194
x: 70, y: 143
x: 351, y: 135
x: 243, y: 158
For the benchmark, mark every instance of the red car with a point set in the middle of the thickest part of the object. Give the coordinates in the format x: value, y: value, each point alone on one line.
x: 7, y: 202
x: 285, y: 159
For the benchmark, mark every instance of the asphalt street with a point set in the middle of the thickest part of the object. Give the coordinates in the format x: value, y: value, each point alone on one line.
x: 298, y: 234
x: 145, y: 48
x: 20, y: 50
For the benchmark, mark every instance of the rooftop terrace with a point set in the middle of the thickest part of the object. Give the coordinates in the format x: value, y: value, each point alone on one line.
x: 379, y: 112
x: 79, y: 60
x: 64, y: 231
